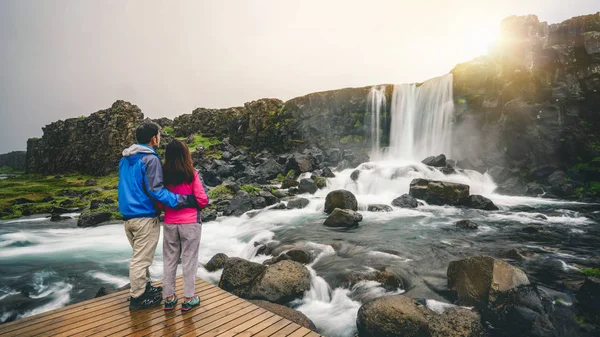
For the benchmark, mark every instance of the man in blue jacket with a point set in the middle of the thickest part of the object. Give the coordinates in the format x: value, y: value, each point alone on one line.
x: 140, y: 188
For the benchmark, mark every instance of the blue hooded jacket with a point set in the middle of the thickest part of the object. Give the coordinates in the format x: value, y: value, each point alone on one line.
x: 141, y: 184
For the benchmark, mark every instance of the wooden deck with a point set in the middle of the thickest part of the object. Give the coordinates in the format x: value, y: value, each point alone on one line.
x: 219, y: 314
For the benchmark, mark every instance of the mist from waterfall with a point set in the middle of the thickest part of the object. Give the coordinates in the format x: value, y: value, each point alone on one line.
x: 376, y: 103
x: 421, y: 119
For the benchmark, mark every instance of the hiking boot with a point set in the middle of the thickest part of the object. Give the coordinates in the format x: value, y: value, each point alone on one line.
x: 193, y: 302
x: 169, y: 305
x: 144, y: 301
x: 151, y: 290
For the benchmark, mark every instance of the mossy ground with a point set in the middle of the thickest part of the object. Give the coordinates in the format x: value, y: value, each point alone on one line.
x: 38, y: 187
x: 201, y: 140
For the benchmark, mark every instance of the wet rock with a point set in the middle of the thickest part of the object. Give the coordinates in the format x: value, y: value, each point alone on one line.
x: 232, y: 186
x: 327, y: 173
x: 63, y: 210
x: 90, y: 182
x: 438, y: 192
x: 292, y: 191
x: 391, y: 316
x: 355, y: 174
x: 299, y: 163
x: 307, y: 186
x: 588, y: 298
x: 405, y: 201
x: 319, y: 181
x: 456, y: 322
x: 299, y: 255
x: 343, y: 218
x: 95, y: 204
x: 478, y: 280
x: 258, y: 202
x: 48, y: 199
x: 282, y: 282
x: 209, y: 214
x: 341, y: 199
x: 379, y: 208
x: 448, y: 170
x: 297, y: 203
x: 334, y: 155
x: 534, y: 189
x: 57, y: 217
x: 279, y: 206
x: 435, y: 161
x: 216, y: 262
x: 211, y: 178
x: 270, y: 199
x: 467, y: 224
x: 241, y: 204
x: 280, y: 194
x: 386, y: 277
x: 22, y: 201
x: 287, y: 313
x: 93, y: 219
x: 513, y: 186
x: 514, y: 254
x: 239, y: 276
x: 540, y: 217
x: 290, y: 181
x: 269, y: 169
x: 479, y: 202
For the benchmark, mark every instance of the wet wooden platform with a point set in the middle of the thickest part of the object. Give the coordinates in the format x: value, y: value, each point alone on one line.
x: 219, y: 314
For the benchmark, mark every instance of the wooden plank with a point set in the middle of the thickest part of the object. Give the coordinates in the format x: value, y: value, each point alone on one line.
x: 274, y: 328
x: 287, y: 330
x: 77, y: 318
x: 159, y: 321
x: 50, y: 322
x: 131, y: 320
x: 180, y: 325
x: 313, y: 334
x: 218, y: 320
x: 230, y: 322
x: 247, y: 324
x: 257, y: 327
x: 300, y: 332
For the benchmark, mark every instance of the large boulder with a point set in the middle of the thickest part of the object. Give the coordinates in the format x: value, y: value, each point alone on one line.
x: 282, y: 282
x: 438, y: 192
x: 297, y: 203
x: 479, y: 280
x: 239, y: 276
x: 269, y: 169
x: 341, y: 199
x: 479, y: 202
x: 588, y: 297
x: 307, y: 186
x: 299, y: 163
x: 392, y: 316
x: 287, y: 313
x: 467, y: 224
x: 216, y: 262
x: 405, y: 201
x: 456, y: 322
x: 379, y: 208
x: 241, y: 204
x: 270, y: 199
x: 435, y: 161
x: 93, y: 219
x: 343, y: 218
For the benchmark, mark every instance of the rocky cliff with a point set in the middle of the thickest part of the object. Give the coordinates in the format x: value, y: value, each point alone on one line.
x: 533, y: 104
x: 14, y: 160
x: 90, y: 144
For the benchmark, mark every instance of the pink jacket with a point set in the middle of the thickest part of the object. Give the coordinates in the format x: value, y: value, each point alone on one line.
x: 186, y: 215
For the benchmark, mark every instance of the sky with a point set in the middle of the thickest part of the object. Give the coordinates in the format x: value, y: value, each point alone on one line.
x: 67, y: 58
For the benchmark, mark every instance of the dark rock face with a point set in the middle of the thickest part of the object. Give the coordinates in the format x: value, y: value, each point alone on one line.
x: 391, y: 316
x: 342, y: 199
x: 216, y: 262
x: 405, y: 201
x: 90, y: 145
x: 307, y: 186
x: 588, y: 297
x: 93, y: 219
x: 343, y: 218
x: 282, y: 282
x: 479, y: 202
x: 438, y: 192
x: 435, y: 161
x: 241, y: 204
x: 209, y: 214
x: 287, y: 313
x: 239, y: 275
x: 467, y: 224
x: 16, y: 160
x: 297, y: 203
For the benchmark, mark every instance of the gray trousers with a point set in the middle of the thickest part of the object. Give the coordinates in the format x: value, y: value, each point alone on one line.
x: 184, y: 241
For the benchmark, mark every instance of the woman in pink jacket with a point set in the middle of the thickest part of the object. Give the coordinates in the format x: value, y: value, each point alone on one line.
x: 183, y: 227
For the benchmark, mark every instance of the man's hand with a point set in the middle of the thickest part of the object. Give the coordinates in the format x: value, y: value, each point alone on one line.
x: 190, y: 201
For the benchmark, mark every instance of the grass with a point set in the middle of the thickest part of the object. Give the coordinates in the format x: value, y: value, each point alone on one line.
x: 251, y: 189
x: 168, y: 130
x: 200, y: 140
x: 7, y: 170
x: 592, y: 272
x: 219, y: 191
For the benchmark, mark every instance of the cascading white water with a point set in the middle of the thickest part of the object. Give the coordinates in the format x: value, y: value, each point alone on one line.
x: 376, y: 103
x: 421, y: 119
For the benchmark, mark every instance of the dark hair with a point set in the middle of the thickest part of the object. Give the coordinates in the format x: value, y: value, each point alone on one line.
x: 178, y: 167
x: 146, y: 131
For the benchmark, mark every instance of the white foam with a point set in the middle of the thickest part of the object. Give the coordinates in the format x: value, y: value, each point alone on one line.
x: 60, y: 297
x: 115, y: 280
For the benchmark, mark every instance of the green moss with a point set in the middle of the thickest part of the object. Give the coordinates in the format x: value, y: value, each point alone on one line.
x: 15, y: 214
x: 291, y: 173
x: 6, y: 170
x: 320, y: 182
x: 219, y: 191
x: 345, y: 140
x: 579, y: 192
x: 169, y: 130
x: 280, y: 177
x: 357, y: 124
x: 200, y: 140
x: 273, y: 191
x: 251, y: 189
x: 593, y: 272
x: 271, y: 113
x: 282, y: 108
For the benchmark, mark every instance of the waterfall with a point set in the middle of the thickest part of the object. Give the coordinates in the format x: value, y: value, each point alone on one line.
x: 375, y: 103
x: 421, y: 119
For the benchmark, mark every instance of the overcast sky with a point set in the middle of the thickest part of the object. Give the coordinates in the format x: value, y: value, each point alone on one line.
x: 61, y: 59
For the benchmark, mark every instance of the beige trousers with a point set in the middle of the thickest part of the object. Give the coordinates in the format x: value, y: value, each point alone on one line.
x: 143, y: 234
